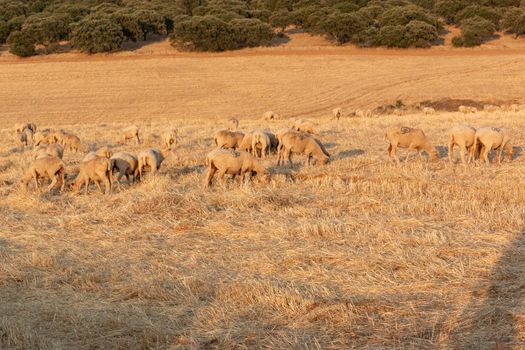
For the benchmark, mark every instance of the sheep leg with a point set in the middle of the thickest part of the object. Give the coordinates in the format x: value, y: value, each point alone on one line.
x: 288, y: 155
x: 138, y: 140
x: 63, y: 179
x: 86, y: 183
x: 410, y: 148
x: 499, y: 151
x: 485, y: 153
x: 98, y: 186
x: 107, y: 185
x: 34, y: 175
x: 508, y: 151
x: 209, y: 177
x: 462, y: 150
x: 221, y: 177
x: 54, y: 181
x: 450, y: 152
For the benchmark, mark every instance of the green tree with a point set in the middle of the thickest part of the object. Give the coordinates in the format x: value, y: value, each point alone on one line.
x: 251, y: 32
x: 393, y: 36
x: 475, y: 30
x: 482, y: 11
x: 514, y: 21
x: 21, y: 43
x: 203, y: 33
x: 420, y: 34
x: 449, y: 9
x: 97, y: 34
x: 342, y: 26
x: 281, y: 19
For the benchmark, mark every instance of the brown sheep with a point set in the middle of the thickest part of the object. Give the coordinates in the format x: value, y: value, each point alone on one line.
x: 359, y: 113
x: 429, y: 111
x: 169, y: 138
x: 270, y: 116
x: 71, y: 142
x: 411, y: 138
x: 491, y: 108
x: 126, y: 164
x: 44, y: 137
x: 299, y: 143
x: 97, y: 170
x: 129, y: 133
x: 233, y: 163
x: 246, y: 143
x: 337, y: 113
x: 463, y: 137
x: 228, y: 139
x: 151, y: 158
x: 304, y: 126
x: 46, y: 167
x: 53, y: 149
x: 233, y: 124
x: 103, y: 152
x: 260, y: 141
x: 490, y: 138
x: 21, y: 139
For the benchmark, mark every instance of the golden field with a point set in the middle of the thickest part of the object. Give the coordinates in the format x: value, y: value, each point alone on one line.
x: 360, y: 253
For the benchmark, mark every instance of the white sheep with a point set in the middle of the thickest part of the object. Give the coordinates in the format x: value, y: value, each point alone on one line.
x: 126, y: 164
x: 304, y: 126
x: 228, y: 139
x: 45, y: 167
x: 270, y: 115
x: 54, y: 149
x: 151, y: 158
x: 489, y: 138
x: 411, y: 138
x: 71, y: 142
x: 429, y: 111
x: 293, y: 142
x: 233, y: 124
x: 260, y: 141
x: 234, y: 163
x: 463, y: 137
x: 168, y: 138
x: 97, y: 170
x: 129, y: 133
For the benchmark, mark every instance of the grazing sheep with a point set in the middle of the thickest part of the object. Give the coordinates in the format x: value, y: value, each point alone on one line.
x: 228, y: 139
x: 151, y: 158
x: 304, y: 126
x: 463, y: 137
x: 246, y: 143
x: 126, y: 164
x: 45, y: 167
x: 168, y: 138
x: 71, y: 142
x: 43, y: 137
x: 429, y: 111
x: 129, y: 133
x: 274, y: 142
x: 510, y: 108
x: 300, y: 143
x: 32, y: 127
x: 260, y: 141
x: 21, y: 139
x: 270, y: 116
x: 368, y: 113
x: 411, y: 138
x: 359, y: 113
x: 397, y: 112
x: 29, y: 135
x: 490, y: 138
x: 20, y: 127
x: 53, y: 149
x: 233, y: 163
x: 337, y: 113
x: 233, y: 124
x: 97, y: 170
x: 463, y: 109
x: 103, y: 152
x: 473, y: 110
x: 491, y: 108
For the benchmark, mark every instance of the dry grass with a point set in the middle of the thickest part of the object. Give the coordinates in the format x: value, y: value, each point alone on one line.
x: 359, y: 253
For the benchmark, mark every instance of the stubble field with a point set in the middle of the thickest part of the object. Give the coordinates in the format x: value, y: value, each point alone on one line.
x: 359, y: 253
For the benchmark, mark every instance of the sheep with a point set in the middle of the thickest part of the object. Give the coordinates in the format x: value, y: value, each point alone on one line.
x: 43, y: 137
x: 29, y: 135
x: 228, y: 139
x: 368, y: 113
x: 270, y: 116
x: 151, y: 158
x: 97, y: 170
x: 129, y: 133
x: 273, y: 140
x: 233, y: 124
x: 411, y: 138
x: 246, y: 143
x: 359, y: 113
x: 337, y: 113
x: 472, y: 110
x: 300, y: 143
x: 103, y: 152
x: 510, y: 108
x: 489, y: 138
x: 32, y: 127
x: 72, y: 142
x: 463, y: 109
x: 260, y: 140
x: 491, y: 108
x: 463, y: 137
x: 50, y: 167
x: 20, y: 127
x: 126, y: 164
x: 53, y: 149
x: 233, y: 163
x: 304, y: 126
x: 397, y: 112
x: 429, y: 111
x: 21, y: 139
x: 168, y: 138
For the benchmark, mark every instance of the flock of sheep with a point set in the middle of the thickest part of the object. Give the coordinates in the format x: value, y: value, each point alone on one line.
x: 236, y: 153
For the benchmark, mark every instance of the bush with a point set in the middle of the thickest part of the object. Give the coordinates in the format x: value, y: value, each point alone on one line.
x: 251, y: 32
x: 21, y: 44
x: 449, y: 9
x: 367, y: 38
x: 393, y: 36
x: 4, y: 32
x: 203, y: 33
x: 342, y: 26
x: 514, y: 21
x: 97, y: 34
x: 475, y: 30
x: 481, y: 11
x: 47, y: 28
x: 457, y: 41
x: 420, y: 34
x: 281, y: 19
x: 402, y: 15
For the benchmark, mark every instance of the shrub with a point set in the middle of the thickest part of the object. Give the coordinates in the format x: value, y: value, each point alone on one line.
x: 281, y: 19
x: 420, y: 34
x: 514, y: 21
x: 449, y: 9
x: 342, y: 26
x: 481, y: 11
x: 251, y: 32
x: 46, y: 28
x: 367, y: 38
x: 402, y: 15
x: 21, y: 43
x: 203, y: 33
x: 475, y: 30
x: 393, y: 36
x: 4, y: 31
x: 457, y: 41
x: 97, y: 34
x: 11, y: 9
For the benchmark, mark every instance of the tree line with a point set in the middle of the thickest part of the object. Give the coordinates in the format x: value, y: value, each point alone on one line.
x: 217, y: 25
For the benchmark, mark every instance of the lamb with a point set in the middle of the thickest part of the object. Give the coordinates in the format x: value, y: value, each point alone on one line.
x: 228, y: 139
x: 411, y: 138
x: 246, y: 143
x: 126, y: 164
x: 270, y: 116
x: 151, y: 158
x: 129, y: 133
x: 50, y: 167
x: 429, y: 111
x: 233, y: 124
x: 337, y: 113
x: 299, y: 143
x: 97, y: 170
x: 304, y: 126
x: 463, y: 137
x: 168, y: 138
x: 489, y: 138
x: 72, y: 142
x: 260, y: 140
x: 53, y: 149
x: 233, y: 163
